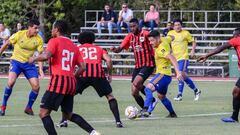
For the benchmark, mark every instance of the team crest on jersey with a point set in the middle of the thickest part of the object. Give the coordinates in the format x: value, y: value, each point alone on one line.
x: 163, y: 51
x: 141, y: 39
x: 138, y: 48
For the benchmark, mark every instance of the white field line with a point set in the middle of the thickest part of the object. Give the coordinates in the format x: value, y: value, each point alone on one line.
x: 107, y: 120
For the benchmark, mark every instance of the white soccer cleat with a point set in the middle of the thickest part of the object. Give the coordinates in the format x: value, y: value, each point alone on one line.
x: 197, y: 95
x: 94, y: 132
x: 178, y: 98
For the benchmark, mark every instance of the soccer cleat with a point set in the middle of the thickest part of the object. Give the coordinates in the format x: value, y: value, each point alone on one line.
x: 62, y: 124
x: 2, y: 111
x: 229, y: 120
x: 172, y: 115
x: 178, y: 98
x: 29, y: 111
x: 119, y: 124
x: 197, y: 94
x: 143, y: 113
x: 152, y: 106
x: 94, y: 132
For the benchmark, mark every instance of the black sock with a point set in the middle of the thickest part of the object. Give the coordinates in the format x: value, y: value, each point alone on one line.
x: 114, y: 108
x: 236, y: 106
x: 63, y: 118
x: 81, y: 123
x: 142, y: 90
x: 49, y: 125
x: 139, y: 101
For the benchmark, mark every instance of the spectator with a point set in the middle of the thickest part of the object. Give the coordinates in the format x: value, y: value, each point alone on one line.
x: 108, y: 19
x: 4, y: 34
x: 167, y: 29
x: 151, y: 19
x: 125, y: 15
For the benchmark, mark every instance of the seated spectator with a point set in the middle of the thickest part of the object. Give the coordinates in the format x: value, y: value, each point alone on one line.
x: 19, y: 26
x: 4, y: 34
x: 125, y: 15
x: 108, y: 19
x: 151, y: 18
x: 167, y: 29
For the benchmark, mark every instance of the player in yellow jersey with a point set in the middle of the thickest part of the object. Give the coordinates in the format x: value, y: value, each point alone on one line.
x: 180, y: 50
x: 164, y: 59
x: 25, y: 44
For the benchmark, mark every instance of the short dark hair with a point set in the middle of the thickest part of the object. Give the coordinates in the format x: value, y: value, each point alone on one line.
x: 154, y: 33
x: 86, y: 37
x: 177, y: 20
x: 33, y: 22
x: 237, y: 31
x: 152, y: 5
x: 61, y: 25
x: 135, y: 20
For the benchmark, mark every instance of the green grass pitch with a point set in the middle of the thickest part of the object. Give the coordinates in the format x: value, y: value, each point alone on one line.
x: 195, y: 117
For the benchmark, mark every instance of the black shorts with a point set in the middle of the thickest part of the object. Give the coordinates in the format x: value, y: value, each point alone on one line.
x: 52, y: 101
x: 144, y: 72
x: 101, y: 85
x: 238, y: 83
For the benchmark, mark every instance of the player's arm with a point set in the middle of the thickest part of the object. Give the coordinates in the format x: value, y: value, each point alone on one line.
x: 124, y: 45
x: 192, y: 53
x: 214, y: 51
x: 108, y: 60
x: 81, y: 69
x: 175, y: 66
x: 4, y: 47
x: 116, y: 49
x: 41, y: 57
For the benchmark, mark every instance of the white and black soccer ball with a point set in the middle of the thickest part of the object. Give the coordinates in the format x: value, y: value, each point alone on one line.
x: 131, y: 112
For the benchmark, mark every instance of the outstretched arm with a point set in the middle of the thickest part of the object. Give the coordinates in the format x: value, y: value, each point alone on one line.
x: 175, y: 65
x: 192, y: 53
x: 116, y: 50
x: 42, y: 57
x: 109, y: 66
x: 214, y: 51
x: 4, y: 46
x: 81, y: 69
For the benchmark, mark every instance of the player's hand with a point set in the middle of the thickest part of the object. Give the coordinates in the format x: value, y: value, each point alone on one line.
x: 109, y: 78
x: 41, y: 74
x: 113, y: 49
x: 31, y: 60
x: 202, y: 59
x: 179, y: 76
x: 192, y: 54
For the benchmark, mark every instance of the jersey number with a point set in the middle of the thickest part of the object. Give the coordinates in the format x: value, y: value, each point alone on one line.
x: 67, y: 59
x: 89, y: 53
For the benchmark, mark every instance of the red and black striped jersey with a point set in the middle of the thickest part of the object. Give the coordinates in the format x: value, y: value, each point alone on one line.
x: 92, y: 56
x: 65, y: 56
x: 143, y: 51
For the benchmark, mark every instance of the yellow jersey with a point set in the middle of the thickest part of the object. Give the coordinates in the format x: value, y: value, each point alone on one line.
x: 163, y: 64
x: 180, y: 44
x: 24, y: 47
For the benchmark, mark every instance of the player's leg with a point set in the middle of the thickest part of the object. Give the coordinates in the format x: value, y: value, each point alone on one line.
x: 81, y: 85
x: 235, y: 104
x: 14, y: 71
x: 162, y: 88
x: 189, y: 81
x: 30, y: 71
x: 67, y: 108
x: 103, y: 88
x: 50, y: 101
x: 181, y: 64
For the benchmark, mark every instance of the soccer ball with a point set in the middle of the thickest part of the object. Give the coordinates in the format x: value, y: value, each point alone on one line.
x: 131, y: 112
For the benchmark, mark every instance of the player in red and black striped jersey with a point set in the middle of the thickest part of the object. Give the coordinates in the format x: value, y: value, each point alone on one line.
x: 233, y: 42
x: 63, y: 55
x: 94, y: 74
x: 144, y: 58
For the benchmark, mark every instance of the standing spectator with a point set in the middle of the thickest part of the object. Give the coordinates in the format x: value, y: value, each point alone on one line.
x: 125, y: 15
x: 108, y: 19
x: 167, y: 29
x: 4, y: 34
x: 151, y: 19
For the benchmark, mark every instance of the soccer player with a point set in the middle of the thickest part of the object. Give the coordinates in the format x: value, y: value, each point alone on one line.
x: 180, y: 50
x: 25, y: 43
x: 233, y: 42
x: 162, y: 79
x: 63, y: 55
x: 94, y: 75
x: 144, y: 59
